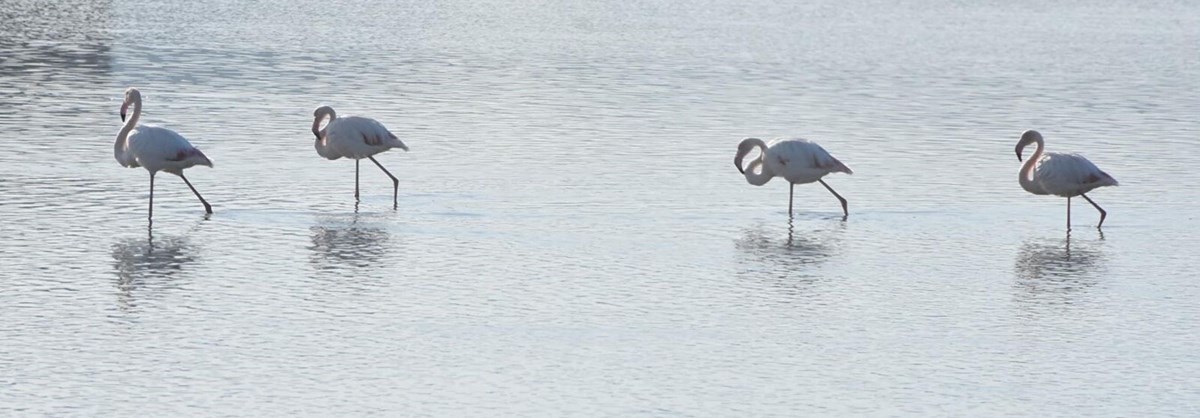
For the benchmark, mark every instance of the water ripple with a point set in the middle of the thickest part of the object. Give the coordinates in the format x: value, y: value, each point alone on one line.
x: 570, y: 237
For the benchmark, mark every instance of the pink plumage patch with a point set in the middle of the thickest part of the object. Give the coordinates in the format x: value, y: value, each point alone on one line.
x: 1093, y: 177
x: 184, y: 154
x: 372, y: 140
x: 828, y: 165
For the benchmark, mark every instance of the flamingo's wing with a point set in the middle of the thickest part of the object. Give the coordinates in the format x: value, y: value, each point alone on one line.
x: 824, y: 160
x: 378, y: 137
x: 796, y: 155
x: 359, y: 136
x: 153, y: 143
x: 381, y: 136
x: 828, y: 162
x: 1061, y: 173
x: 360, y: 130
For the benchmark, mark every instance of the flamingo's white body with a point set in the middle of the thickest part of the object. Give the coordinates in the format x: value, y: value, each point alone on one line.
x: 155, y: 148
x: 356, y: 138
x: 797, y: 160
x: 1066, y: 175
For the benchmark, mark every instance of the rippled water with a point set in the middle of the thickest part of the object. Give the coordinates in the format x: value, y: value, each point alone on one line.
x: 571, y: 238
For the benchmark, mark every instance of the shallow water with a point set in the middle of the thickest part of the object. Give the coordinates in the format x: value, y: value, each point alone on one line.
x: 571, y: 238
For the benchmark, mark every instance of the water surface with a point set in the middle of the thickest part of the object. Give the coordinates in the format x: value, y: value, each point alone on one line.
x: 571, y: 238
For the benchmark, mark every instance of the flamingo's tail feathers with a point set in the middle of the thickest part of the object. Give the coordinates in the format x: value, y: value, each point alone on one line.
x: 192, y: 157
x: 838, y: 167
x: 199, y: 158
x: 1099, y: 179
x: 395, y: 142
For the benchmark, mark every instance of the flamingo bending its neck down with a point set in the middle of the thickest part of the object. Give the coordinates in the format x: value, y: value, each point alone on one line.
x: 356, y: 138
x: 155, y: 149
x: 797, y: 160
x: 1059, y: 174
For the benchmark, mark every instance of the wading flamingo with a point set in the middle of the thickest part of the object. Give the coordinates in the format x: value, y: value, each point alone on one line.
x: 1059, y: 174
x: 797, y: 160
x: 356, y: 138
x: 155, y: 148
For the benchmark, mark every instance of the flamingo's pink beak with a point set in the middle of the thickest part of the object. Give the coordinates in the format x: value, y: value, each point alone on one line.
x: 124, y: 106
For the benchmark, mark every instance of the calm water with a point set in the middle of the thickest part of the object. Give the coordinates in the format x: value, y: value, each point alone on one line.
x: 572, y: 238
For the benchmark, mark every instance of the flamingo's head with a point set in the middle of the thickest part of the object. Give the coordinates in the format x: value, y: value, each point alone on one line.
x: 1029, y: 137
x: 318, y: 116
x: 321, y: 111
x: 744, y: 148
x: 132, y: 95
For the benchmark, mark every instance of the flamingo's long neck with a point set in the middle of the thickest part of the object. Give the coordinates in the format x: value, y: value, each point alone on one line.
x: 130, y: 123
x: 1026, y: 173
x: 325, y: 112
x: 762, y: 176
x: 321, y: 144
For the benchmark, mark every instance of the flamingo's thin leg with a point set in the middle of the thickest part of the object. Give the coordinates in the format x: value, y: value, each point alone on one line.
x: 395, y: 184
x: 1102, y: 212
x: 207, y: 207
x: 1068, y: 213
x: 791, y: 194
x: 150, y: 216
x: 845, y: 210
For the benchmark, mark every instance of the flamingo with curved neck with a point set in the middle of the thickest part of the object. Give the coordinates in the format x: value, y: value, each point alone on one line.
x: 756, y: 172
x: 355, y: 138
x: 155, y: 149
x: 797, y: 160
x: 1065, y: 175
x: 1026, y: 173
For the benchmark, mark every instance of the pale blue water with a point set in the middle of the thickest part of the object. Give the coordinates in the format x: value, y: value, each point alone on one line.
x: 571, y: 237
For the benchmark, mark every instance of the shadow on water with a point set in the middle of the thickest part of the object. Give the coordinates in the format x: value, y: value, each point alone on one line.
x: 339, y: 243
x: 149, y: 263
x: 785, y: 259
x: 1055, y: 271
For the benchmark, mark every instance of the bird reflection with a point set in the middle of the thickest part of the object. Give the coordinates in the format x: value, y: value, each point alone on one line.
x: 149, y: 263
x: 1057, y: 268
x: 339, y: 243
x: 784, y: 259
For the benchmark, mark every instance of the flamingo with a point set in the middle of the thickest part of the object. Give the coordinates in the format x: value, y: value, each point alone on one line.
x: 155, y: 149
x: 357, y: 138
x: 797, y: 160
x: 1059, y: 174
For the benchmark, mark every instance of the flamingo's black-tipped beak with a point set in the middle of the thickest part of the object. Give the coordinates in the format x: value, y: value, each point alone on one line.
x: 317, y: 135
x: 739, y: 166
x: 1019, y: 158
x: 122, y: 116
